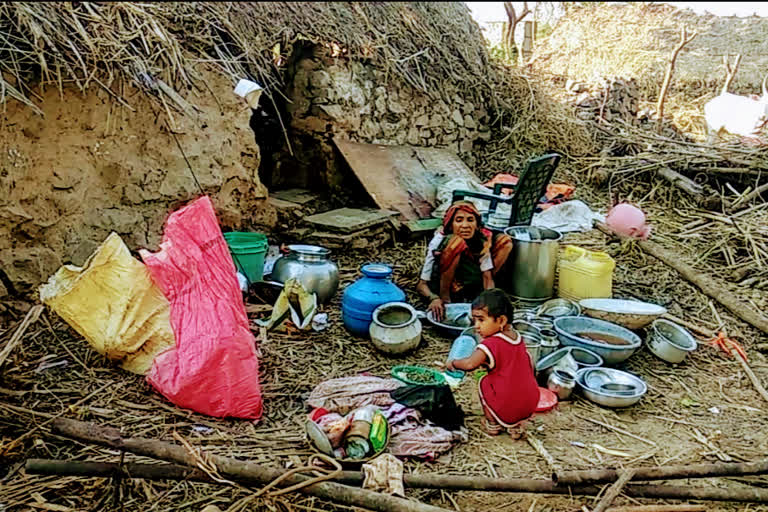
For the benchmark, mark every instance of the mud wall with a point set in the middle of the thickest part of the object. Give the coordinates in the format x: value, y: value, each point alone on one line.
x: 338, y: 96
x: 92, y: 166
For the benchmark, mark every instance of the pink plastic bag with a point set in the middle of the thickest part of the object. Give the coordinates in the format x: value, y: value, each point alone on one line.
x: 213, y: 369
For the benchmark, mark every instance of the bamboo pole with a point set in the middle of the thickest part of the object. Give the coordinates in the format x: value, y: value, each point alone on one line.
x: 164, y: 471
x: 592, y: 476
x: 256, y: 473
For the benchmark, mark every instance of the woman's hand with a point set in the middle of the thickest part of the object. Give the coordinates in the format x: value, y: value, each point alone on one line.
x: 437, y: 308
x: 449, y: 366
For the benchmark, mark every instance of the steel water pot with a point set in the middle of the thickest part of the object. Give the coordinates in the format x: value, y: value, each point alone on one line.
x: 532, y: 263
x: 311, y: 266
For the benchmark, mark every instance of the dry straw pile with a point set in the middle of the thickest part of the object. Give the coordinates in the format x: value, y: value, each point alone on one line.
x: 422, y: 44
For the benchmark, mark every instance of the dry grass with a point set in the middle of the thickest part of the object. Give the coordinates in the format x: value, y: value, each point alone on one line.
x: 100, y: 43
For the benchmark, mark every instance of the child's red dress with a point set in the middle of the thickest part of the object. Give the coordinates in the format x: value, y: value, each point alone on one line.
x: 509, y: 390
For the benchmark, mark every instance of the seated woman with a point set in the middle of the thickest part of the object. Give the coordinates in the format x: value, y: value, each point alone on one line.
x: 462, y: 259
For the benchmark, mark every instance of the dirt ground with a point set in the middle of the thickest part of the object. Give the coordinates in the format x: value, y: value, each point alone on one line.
x: 703, y: 410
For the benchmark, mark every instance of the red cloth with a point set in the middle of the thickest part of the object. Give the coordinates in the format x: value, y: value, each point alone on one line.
x: 555, y: 191
x: 509, y: 390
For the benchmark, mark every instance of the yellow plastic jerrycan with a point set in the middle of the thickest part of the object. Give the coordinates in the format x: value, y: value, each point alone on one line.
x: 584, y: 274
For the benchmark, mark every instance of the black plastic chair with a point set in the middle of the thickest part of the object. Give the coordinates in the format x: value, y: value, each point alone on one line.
x: 530, y: 188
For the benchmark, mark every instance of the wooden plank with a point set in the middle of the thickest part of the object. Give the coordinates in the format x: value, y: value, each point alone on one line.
x: 350, y: 220
x: 403, y: 178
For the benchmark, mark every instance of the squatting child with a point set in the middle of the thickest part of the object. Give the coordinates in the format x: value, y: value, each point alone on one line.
x: 509, y: 392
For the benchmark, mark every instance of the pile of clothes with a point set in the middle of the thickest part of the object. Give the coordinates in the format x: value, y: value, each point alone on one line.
x: 424, y: 421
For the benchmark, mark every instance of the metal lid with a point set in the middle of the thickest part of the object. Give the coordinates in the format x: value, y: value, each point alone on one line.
x: 319, y: 438
x: 314, y: 250
x: 533, y: 234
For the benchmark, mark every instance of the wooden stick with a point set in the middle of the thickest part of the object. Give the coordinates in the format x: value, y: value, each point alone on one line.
x: 234, y: 468
x: 614, y: 490
x: 164, y: 471
x: 696, y: 191
x: 161, y: 471
x: 730, y: 72
x: 752, y: 377
x: 745, y: 199
x: 659, y: 508
x: 684, y: 40
x: 709, y: 286
x: 32, y: 315
x: 539, y: 447
x: 592, y: 476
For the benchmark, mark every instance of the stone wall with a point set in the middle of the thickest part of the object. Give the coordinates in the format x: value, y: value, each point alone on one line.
x: 337, y: 96
x: 92, y: 166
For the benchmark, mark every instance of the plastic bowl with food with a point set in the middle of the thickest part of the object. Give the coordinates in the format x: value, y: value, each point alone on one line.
x: 631, y: 314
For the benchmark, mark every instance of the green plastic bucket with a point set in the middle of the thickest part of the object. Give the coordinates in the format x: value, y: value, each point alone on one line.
x: 248, y: 251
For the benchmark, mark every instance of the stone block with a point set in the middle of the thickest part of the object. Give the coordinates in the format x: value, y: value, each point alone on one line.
x: 457, y: 117
x: 465, y: 146
x: 320, y: 79
x: 389, y: 129
x: 468, y: 107
x: 369, y: 129
x: 437, y: 120
x: 413, y: 136
x: 484, y: 135
x: 469, y: 123
x: 422, y: 120
x: 425, y: 133
x: 395, y: 106
x: 334, y: 112
x: 380, y: 104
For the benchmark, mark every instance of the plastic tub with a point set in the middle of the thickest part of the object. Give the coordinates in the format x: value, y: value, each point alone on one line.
x: 248, y: 251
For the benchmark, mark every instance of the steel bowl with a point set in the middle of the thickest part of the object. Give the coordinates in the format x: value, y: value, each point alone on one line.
x: 669, y: 341
x: 610, y: 387
x: 559, y: 307
x: 631, y: 314
x: 573, y: 329
x: 458, y: 316
x: 585, y: 358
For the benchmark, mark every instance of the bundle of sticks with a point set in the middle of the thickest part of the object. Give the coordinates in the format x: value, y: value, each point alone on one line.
x: 185, y: 462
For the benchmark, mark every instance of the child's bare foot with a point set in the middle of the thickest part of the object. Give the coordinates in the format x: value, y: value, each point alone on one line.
x: 492, y: 428
x: 517, y: 431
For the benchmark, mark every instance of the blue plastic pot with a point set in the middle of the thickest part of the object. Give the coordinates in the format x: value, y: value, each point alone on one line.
x: 366, y: 294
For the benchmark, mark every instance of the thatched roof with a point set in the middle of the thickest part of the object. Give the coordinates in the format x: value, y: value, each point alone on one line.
x: 634, y: 40
x: 98, y: 43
